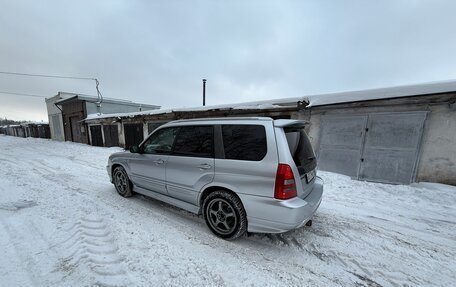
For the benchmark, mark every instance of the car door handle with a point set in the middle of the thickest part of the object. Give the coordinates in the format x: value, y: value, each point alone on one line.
x: 159, y: 161
x: 204, y: 166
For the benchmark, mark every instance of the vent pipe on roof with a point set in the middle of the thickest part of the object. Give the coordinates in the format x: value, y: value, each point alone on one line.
x: 204, y: 92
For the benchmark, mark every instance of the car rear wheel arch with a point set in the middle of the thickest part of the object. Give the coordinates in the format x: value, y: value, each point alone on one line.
x: 211, y: 189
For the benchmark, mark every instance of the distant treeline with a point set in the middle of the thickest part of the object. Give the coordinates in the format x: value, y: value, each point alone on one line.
x: 5, y: 122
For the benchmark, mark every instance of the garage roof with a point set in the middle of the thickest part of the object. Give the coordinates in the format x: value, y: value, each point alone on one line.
x: 69, y: 97
x: 383, y: 93
x: 312, y: 100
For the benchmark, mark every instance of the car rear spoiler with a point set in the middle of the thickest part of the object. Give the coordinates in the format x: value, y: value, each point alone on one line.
x: 298, y: 124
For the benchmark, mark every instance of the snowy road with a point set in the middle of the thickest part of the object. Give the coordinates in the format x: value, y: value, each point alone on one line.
x: 63, y: 224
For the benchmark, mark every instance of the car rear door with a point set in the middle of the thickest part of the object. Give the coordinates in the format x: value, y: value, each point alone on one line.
x: 191, y: 164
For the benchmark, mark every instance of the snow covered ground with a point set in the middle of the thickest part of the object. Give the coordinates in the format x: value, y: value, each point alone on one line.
x: 63, y: 224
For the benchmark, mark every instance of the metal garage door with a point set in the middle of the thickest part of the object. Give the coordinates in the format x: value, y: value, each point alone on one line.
x: 379, y: 147
x: 97, y: 138
x: 391, y: 147
x: 341, y: 144
x: 77, y: 130
x: 133, y: 134
x: 111, y: 135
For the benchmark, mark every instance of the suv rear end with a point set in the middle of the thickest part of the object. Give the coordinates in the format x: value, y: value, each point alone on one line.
x: 296, y: 153
x: 278, y: 187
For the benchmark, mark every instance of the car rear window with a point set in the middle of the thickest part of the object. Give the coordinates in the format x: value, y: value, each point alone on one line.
x: 301, y: 150
x: 244, y: 142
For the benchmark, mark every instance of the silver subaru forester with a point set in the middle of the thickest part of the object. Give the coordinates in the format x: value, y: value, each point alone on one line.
x: 243, y: 174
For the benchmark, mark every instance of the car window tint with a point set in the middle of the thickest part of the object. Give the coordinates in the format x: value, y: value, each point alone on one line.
x: 160, y: 142
x: 301, y: 150
x: 194, y: 141
x: 244, y: 142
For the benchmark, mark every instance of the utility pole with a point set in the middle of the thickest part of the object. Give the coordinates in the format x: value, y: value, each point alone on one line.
x: 204, y: 92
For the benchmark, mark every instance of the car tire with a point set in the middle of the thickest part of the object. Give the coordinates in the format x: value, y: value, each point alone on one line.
x: 122, y: 182
x: 225, y: 215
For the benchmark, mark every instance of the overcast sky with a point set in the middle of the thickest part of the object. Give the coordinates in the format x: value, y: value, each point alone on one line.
x: 157, y: 52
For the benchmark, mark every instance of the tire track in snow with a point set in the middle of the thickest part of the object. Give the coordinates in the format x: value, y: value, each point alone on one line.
x: 168, y: 213
x: 91, y: 246
x: 17, y: 205
x: 141, y: 207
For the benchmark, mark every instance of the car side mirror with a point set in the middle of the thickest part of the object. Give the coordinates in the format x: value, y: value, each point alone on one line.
x: 135, y: 149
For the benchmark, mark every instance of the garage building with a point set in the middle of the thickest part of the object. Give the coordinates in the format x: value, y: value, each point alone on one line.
x: 393, y: 135
x: 67, y: 111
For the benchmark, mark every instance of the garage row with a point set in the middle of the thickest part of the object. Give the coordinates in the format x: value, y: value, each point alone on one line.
x: 400, y: 140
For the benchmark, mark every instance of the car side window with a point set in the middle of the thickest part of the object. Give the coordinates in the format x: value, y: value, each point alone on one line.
x: 244, y: 142
x: 160, y: 142
x: 195, y: 141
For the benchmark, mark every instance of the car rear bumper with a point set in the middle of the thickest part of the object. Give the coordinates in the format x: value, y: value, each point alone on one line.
x: 269, y: 215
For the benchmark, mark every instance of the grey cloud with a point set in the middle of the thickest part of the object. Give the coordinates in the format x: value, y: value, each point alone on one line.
x: 158, y: 51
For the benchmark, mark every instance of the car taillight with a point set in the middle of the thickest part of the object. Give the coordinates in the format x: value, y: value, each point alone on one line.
x: 285, y: 186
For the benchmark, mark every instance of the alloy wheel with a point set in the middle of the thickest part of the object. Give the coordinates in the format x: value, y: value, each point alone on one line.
x: 221, y: 216
x: 121, y: 182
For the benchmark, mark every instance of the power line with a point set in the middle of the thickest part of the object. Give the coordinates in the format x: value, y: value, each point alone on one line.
x: 47, y: 76
x: 97, y: 83
x: 21, y: 94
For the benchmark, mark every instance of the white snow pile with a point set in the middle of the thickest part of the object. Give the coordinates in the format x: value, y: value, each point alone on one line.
x: 382, y: 93
x: 63, y: 224
x: 243, y: 106
x: 310, y: 100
